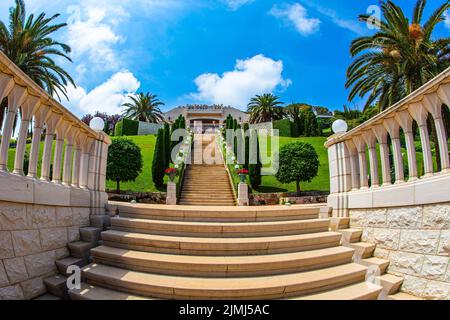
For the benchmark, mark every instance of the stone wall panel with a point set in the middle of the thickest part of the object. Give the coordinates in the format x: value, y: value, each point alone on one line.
x: 16, y: 270
x: 53, y: 238
x: 26, y: 242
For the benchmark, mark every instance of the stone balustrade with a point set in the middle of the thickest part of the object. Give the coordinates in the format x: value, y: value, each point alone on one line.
x: 406, y: 213
x: 79, y: 179
x: 357, y: 183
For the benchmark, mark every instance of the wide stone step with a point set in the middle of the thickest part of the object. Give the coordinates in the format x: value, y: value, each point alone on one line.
x: 217, y: 214
x: 89, y: 292
x: 359, y: 291
x: 221, y: 266
x: 217, y: 193
x: 220, y: 246
x: 205, y: 203
x: 220, y: 229
x: 270, y: 287
x: 216, y: 197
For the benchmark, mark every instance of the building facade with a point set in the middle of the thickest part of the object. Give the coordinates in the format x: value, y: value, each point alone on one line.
x: 205, y: 115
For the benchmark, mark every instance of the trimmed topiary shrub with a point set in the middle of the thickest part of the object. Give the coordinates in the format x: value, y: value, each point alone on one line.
x: 284, y: 127
x: 299, y: 162
x: 167, y: 145
x: 126, y: 127
x: 255, y: 169
x: 158, y: 165
x: 124, y: 161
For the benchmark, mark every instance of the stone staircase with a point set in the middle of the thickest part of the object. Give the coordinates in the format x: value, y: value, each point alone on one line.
x: 206, y: 184
x: 186, y: 252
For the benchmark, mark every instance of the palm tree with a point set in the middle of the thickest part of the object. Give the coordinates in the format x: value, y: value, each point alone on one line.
x: 399, y: 58
x: 265, y: 108
x: 144, y: 107
x: 26, y: 41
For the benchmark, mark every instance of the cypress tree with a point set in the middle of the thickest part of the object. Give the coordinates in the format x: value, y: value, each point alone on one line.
x: 158, y: 160
x: 247, y: 145
x: 255, y: 169
x: 167, y: 144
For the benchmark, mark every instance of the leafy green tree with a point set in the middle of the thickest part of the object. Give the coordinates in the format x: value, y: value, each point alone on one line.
x: 158, y: 165
x: 144, y: 107
x: 255, y: 168
x: 27, y: 41
x: 400, y: 57
x: 265, y: 108
x: 299, y: 162
x: 124, y: 161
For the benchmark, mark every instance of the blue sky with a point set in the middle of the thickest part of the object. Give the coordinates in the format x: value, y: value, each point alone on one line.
x: 209, y: 51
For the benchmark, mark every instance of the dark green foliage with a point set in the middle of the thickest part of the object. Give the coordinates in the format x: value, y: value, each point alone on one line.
x: 299, y: 162
x: 158, y: 166
x: 235, y: 124
x: 284, y: 127
x: 124, y: 161
x: 26, y: 163
x: 311, y: 127
x: 247, y: 145
x: 167, y: 144
x: 126, y: 127
x: 255, y: 169
x: 294, y: 130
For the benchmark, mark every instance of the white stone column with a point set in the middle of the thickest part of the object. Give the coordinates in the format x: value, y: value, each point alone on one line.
x: 171, y: 198
x: 61, y: 132
x: 371, y: 142
x: 381, y: 135
x: 393, y: 128
x: 27, y: 111
x: 15, y: 99
x: 405, y: 121
x: 354, y: 165
x: 67, y: 168
x: 362, y: 161
x: 243, y: 199
x: 420, y: 114
x: 433, y: 104
x: 39, y: 116
x: 84, y: 167
x: 80, y: 139
x: 52, y: 122
x: 444, y: 94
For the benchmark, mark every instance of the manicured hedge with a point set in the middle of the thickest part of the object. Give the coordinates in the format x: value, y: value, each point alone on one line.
x: 126, y: 127
x: 284, y: 126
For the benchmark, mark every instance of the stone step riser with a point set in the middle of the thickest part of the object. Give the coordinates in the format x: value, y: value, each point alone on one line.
x: 218, y: 230
x: 277, y: 292
x: 213, y: 248
x: 223, y: 269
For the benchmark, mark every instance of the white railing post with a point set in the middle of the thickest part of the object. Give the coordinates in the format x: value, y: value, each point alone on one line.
x: 354, y: 165
x: 27, y: 111
x: 67, y: 167
x: 393, y: 128
x: 61, y: 133
x: 362, y: 161
x: 84, y: 167
x: 15, y: 99
x: 371, y: 142
x: 52, y: 122
x: 381, y: 135
x: 406, y: 122
x: 39, y: 118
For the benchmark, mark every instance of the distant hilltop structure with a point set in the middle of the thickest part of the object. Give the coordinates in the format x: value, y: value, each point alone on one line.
x: 208, y: 115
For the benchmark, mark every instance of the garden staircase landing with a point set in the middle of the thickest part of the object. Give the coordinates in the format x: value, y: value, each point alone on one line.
x: 206, y: 184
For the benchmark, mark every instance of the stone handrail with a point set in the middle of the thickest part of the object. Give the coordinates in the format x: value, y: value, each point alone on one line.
x: 350, y: 172
x: 78, y: 180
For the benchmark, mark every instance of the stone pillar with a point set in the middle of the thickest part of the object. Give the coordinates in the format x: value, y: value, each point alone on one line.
x: 61, y: 133
x: 39, y: 116
x: 420, y: 114
x: 354, y: 165
x: 80, y: 139
x: 67, y: 168
x: 243, y: 195
x: 372, y: 144
x: 27, y: 111
x: 171, y: 198
x: 15, y: 99
x: 393, y: 128
x: 444, y: 94
x: 84, y: 167
x: 362, y: 161
x: 433, y: 104
x: 405, y: 121
x: 381, y: 135
x: 52, y: 122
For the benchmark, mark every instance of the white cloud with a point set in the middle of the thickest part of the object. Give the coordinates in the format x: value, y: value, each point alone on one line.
x: 236, y: 4
x: 107, y: 97
x: 297, y: 15
x: 88, y: 34
x: 252, y: 76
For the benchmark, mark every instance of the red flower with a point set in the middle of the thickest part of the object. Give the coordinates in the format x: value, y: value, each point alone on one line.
x: 242, y: 172
x: 170, y: 171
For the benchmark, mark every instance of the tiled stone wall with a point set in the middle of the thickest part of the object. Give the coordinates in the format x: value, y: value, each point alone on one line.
x: 417, y: 242
x: 32, y: 237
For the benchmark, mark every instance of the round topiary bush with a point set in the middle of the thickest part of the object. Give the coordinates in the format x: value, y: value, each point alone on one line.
x: 299, y: 162
x: 124, y: 161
